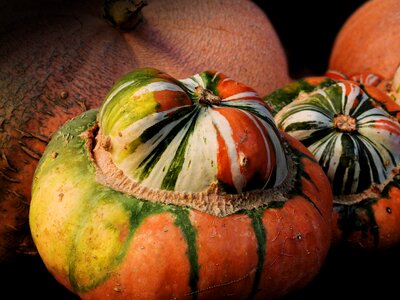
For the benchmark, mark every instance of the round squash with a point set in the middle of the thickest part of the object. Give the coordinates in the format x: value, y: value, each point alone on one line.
x: 352, y: 128
x: 180, y: 188
x: 58, y: 58
x: 369, y: 40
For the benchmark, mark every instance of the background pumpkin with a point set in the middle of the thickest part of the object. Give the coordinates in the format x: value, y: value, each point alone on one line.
x: 231, y: 36
x: 214, y: 174
x: 369, y: 40
x: 353, y: 130
x: 58, y: 58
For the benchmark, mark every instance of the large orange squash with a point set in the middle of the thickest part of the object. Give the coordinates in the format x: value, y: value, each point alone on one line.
x: 180, y: 189
x: 59, y: 57
x: 370, y: 40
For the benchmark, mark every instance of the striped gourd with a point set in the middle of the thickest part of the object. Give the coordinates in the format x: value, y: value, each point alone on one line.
x: 187, y: 135
x: 356, y: 141
x: 352, y: 128
x: 118, y: 212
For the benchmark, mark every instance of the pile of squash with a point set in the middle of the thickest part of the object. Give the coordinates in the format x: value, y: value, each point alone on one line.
x: 160, y: 150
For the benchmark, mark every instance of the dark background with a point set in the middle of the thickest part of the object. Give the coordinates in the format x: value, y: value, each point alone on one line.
x: 346, y: 274
x: 307, y: 31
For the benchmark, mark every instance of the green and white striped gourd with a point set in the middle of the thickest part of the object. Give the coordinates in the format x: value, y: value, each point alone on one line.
x: 355, y: 140
x: 188, y: 136
x: 351, y: 125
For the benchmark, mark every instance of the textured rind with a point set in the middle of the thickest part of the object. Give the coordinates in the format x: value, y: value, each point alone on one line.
x: 102, y: 244
x: 244, y: 42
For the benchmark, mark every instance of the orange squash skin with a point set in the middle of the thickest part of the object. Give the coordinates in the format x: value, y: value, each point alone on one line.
x: 371, y: 224
x: 369, y: 40
x: 295, y: 228
x: 244, y: 42
x: 261, y: 254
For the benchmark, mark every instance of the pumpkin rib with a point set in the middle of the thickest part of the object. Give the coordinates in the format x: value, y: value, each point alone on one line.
x: 223, y: 271
x: 158, y: 240
x: 261, y: 235
x: 285, y: 239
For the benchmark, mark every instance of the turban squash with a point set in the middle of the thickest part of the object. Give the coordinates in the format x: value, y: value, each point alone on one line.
x: 58, y: 58
x: 179, y: 188
x: 351, y: 125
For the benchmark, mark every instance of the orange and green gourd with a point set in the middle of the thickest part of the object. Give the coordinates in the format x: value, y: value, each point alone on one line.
x: 180, y: 189
x: 352, y: 128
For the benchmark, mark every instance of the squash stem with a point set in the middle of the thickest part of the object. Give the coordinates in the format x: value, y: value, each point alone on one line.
x: 345, y: 123
x: 206, y: 97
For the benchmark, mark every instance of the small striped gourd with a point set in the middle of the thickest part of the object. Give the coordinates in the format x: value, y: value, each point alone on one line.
x: 352, y: 128
x: 179, y: 189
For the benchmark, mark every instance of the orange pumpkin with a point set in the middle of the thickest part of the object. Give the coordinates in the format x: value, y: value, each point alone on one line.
x: 180, y: 189
x: 235, y: 37
x: 369, y: 41
x: 59, y: 57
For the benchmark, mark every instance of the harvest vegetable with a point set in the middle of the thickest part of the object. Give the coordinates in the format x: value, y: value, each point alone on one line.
x: 369, y: 40
x: 180, y: 188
